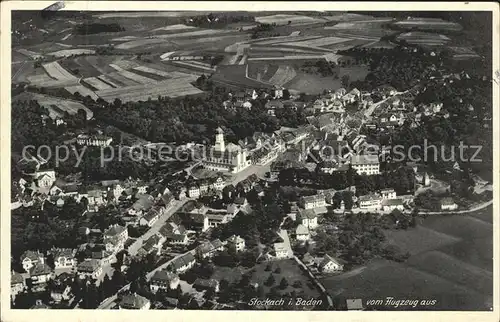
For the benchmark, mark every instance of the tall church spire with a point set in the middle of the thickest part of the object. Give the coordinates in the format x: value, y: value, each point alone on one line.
x: 219, y: 140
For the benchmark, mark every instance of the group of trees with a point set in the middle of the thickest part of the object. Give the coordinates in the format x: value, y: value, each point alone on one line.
x: 96, y: 28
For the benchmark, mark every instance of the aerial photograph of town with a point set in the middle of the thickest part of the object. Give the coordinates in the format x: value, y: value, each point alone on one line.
x: 252, y: 160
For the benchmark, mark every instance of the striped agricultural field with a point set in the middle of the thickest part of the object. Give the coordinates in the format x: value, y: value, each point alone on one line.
x: 66, y: 37
x: 317, y: 42
x: 84, y: 91
x: 192, y: 64
x: 56, y: 71
x: 117, y: 77
x: 135, y: 93
x: 125, y: 64
x: 153, y: 71
x: 109, y: 81
x: 133, y: 76
x: 177, y: 27
x: 97, y: 83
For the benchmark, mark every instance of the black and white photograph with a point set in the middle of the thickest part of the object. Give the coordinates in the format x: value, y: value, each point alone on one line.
x: 251, y: 160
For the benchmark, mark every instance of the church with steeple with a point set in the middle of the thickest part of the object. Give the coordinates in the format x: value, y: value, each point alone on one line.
x: 225, y: 157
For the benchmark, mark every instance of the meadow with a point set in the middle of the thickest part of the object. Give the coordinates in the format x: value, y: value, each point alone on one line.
x: 451, y: 261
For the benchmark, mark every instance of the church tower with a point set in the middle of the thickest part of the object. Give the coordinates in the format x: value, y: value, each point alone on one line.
x: 219, y: 140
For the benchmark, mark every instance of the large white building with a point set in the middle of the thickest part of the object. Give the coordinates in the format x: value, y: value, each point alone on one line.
x: 365, y: 164
x: 228, y: 158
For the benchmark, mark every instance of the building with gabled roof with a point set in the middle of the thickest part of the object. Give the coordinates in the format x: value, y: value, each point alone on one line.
x: 134, y: 302
x: 331, y: 264
x: 163, y: 280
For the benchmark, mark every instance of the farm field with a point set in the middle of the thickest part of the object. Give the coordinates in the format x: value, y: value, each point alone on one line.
x: 84, y: 91
x: 423, y: 38
x: 97, y: 83
x: 428, y: 24
x: 55, y: 105
x: 177, y: 27
x: 451, y: 261
x: 234, y: 76
x: 142, y: 92
x: 283, y: 19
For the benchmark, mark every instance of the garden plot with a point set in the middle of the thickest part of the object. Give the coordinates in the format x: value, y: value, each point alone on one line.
x: 97, y: 83
x: 84, y: 91
x: 71, y: 52
x: 133, y: 76
x: 56, y: 71
x: 170, y: 88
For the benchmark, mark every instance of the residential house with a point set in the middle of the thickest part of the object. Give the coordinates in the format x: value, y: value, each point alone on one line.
x: 392, y: 204
x: 448, y: 204
x: 236, y: 243
x: 41, y: 273
x: 205, y: 250
x: 142, y: 205
x: 105, y: 257
x: 302, y: 233
x: 388, y: 193
x: 89, y: 268
x: 311, y: 202
x: 152, y: 245
x: 177, y: 239
x: 218, y: 245
x: 45, y: 178
x: 163, y: 280
x: 197, y: 221
x: 60, y: 292
x: 366, y: 164
x: 206, y: 284
x: 64, y: 258
x: 182, y: 264
x: 17, y: 284
x: 152, y: 216
x: 307, y: 218
x: 134, y: 302
x: 115, y: 238
x: 96, y: 198
x: 331, y: 264
x: 370, y: 202
x: 31, y: 258
x: 216, y: 219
